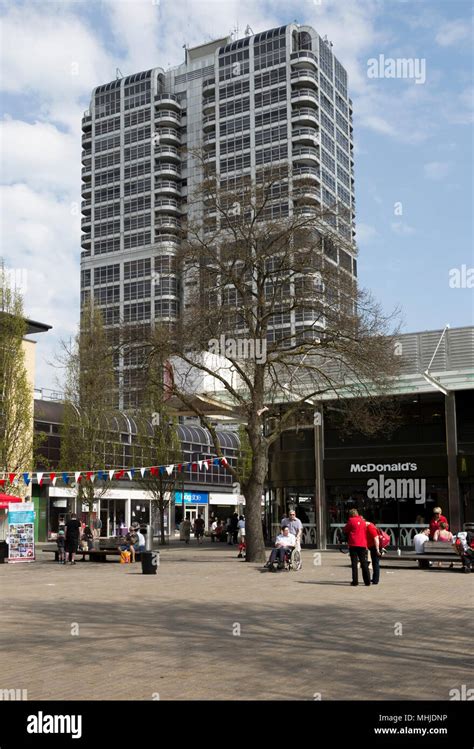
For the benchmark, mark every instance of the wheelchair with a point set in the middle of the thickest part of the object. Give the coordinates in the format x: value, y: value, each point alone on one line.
x: 292, y: 561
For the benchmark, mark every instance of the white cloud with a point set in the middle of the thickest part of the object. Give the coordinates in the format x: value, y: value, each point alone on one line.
x: 41, y: 155
x: 403, y: 230
x: 454, y: 32
x: 365, y: 233
x: 437, y: 170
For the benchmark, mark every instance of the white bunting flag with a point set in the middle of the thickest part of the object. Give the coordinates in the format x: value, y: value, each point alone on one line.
x: 111, y: 474
x: 76, y: 476
x: 39, y: 477
x: 169, y: 470
x: 142, y: 471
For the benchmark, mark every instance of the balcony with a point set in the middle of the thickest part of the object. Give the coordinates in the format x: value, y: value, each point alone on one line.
x: 303, y: 77
x: 167, y: 187
x: 86, y: 173
x: 305, y: 135
x: 167, y: 116
x: 304, y: 58
x: 86, y: 240
x: 208, y: 85
x: 167, y: 205
x: 304, y: 96
x: 306, y: 154
x: 86, y: 192
x: 208, y: 106
x: 167, y: 100
x: 167, y: 152
x: 165, y: 169
x: 306, y: 172
x: 86, y: 207
x: 86, y: 223
x: 166, y: 240
x: 305, y: 116
x: 169, y: 135
x: 306, y: 193
x: 209, y: 122
x: 166, y: 224
x: 87, y: 140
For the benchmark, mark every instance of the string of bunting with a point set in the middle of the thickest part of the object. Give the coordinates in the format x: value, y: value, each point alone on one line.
x: 109, y: 474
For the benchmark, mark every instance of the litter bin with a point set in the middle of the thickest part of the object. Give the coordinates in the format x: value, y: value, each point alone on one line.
x: 150, y: 561
x: 3, y: 551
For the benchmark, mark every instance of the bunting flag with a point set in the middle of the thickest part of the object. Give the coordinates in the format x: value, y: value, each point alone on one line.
x: 117, y: 473
x: 2, y: 482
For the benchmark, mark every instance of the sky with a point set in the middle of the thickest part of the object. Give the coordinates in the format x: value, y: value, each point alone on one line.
x: 413, y: 137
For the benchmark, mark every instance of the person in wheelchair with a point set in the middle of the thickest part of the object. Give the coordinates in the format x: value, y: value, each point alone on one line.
x: 284, y: 544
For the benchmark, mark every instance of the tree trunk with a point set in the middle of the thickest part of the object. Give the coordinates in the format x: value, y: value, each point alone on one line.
x: 162, y: 524
x: 255, y: 551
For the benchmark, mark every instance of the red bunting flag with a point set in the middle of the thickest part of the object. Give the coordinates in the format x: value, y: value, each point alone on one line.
x: 119, y: 474
x: 194, y: 466
x: 12, y: 477
x: 2, y: 482
x: 224, y: 462
x: 89, y: 475
x: 52, y: 476
x: 154, y: 471
x: 180, y: 467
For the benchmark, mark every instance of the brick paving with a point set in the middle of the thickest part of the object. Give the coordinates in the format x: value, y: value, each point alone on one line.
x: 172, y: 634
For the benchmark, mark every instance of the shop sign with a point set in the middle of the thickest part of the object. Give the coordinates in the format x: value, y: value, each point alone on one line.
x: 192, y: 498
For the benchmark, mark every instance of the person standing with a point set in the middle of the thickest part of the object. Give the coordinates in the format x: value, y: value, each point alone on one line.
x: 199, y: 526
x: 185, y: 530
x: 294, y: 525
x: 214, y: 529
x: 356, y: 532
x: 72, y: 530
x: 373, y: 544
x: 234, y: 527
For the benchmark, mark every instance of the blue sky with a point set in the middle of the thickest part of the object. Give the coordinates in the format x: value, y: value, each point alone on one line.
x: 413, y: 141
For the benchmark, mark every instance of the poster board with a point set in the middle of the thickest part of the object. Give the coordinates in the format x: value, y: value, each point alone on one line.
x: 21, y: 532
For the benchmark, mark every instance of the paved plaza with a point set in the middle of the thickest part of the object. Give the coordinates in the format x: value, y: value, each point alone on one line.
x: 210, y: 626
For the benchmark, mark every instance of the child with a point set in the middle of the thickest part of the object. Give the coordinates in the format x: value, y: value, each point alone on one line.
x: 60, y: 541
x: 242, y: 548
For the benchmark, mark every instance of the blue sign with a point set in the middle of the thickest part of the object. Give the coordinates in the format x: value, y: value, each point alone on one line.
x: 192, y: 498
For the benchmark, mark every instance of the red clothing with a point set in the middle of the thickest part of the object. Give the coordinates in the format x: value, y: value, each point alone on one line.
x: 372, y: 533
x: 434, y: 525
x: 356, y: 531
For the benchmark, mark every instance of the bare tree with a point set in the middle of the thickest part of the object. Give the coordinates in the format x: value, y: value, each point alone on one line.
x: 270, y: 286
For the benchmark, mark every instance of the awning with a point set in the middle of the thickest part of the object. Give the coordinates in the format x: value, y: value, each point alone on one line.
x: 6, y: 499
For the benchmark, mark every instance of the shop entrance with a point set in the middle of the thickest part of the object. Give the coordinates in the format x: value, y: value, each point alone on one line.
x: 112, y: 514
x: 191, y: 514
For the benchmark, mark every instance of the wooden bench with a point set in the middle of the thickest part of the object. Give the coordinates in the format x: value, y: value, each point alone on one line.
x: 434, y: 551
x: 95, y: 555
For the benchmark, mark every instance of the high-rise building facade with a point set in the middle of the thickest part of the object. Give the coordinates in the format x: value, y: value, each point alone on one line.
x: 277, y: 97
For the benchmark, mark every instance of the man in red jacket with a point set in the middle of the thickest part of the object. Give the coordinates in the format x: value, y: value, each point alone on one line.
x: 356, y: 532
x: 436, y: 520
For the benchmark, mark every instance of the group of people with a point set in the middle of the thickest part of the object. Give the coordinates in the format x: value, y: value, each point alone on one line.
x: 75, y: 536
x: 198, y: 529
x: 363, y: 537
x: 438, y: 530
